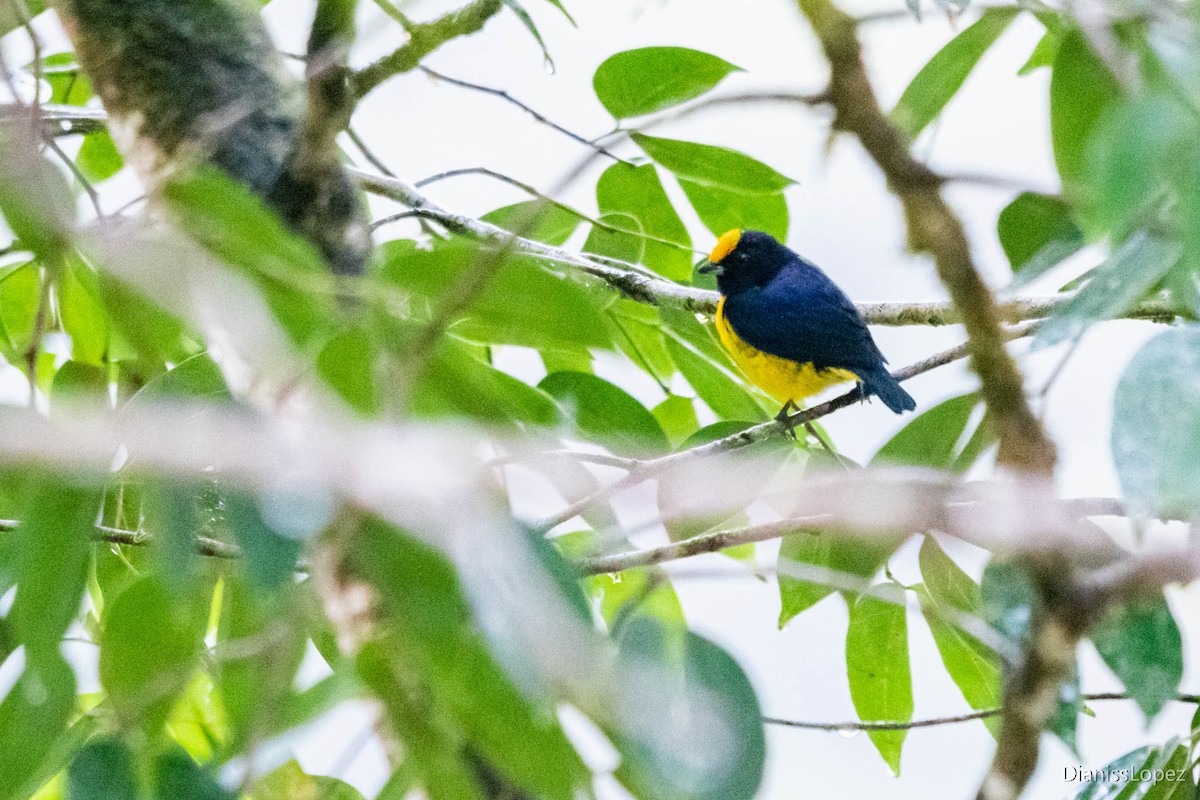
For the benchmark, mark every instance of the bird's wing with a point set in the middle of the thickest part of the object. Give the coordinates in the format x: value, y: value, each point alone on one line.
x: 801, y: 315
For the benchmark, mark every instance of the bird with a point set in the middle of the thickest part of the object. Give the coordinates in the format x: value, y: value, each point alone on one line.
x: 789, y: 328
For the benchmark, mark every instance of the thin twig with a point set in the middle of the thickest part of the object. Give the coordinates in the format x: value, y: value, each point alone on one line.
x: 538, y: 117
x: 367, y: 153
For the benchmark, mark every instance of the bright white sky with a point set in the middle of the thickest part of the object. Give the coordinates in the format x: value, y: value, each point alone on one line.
x: 844, y: 220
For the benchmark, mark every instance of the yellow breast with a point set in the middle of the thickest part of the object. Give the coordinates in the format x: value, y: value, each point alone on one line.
x: 782, y: 379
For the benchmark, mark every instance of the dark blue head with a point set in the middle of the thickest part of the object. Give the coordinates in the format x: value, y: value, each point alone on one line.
x: 745, y: 259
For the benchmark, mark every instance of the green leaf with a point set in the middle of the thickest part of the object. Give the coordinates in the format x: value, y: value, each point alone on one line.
x: 33, y: 716
x: 877, y: 666
x: 637, y: 191
x: 723, y: 210
x: 677, y: 416
x: 704, y: 708
x: 725, y: 396
x: 606, y: 414
x: 347, y: 363
x: 20, y: 294
x: 941, y: 78
x: 618, y: 236
x: 14, y: 16
x: 527, y: 21
x: 103, y: 770
x: 1156, y: 425
x: 1176, y: 781
x: 34, y: 197
x: 931, y: 439
x: 1081, y: 90
x: 537, y: 220
x: 639, y: 82
x: 1037, y: 233
x: 290, y: 782
x: 1115, y: 776
x: 1008, y: 599
x: 51, y: 558
x: 82, y: 313
x: 635, y: 592
x: 1130, y: 272
x: 709, y: 165
x: 825, y: 550
x: 973, y: 667
x: 99, y: 158
x: 441, y: 684
x: 1141, y: 643
x: 521, y: 303
x: 148, y: 648
x: 178, y: 777
x: 71, y: 88
x: 1043, y: 54
x: 76, y: 384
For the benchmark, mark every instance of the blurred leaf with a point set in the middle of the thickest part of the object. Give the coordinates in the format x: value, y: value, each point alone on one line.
x: 103, y: 770
x: 878, y: 668
x: 198, y: 722
x: 148, y: 649
x: 537, y: 220
x: 931, y: 439
x: 347, y: 363
x: 13, y: 17
x: 99, y: 158
x: 143, y: 327
x: 638, y: 192
x: 1037, y: 234
x: 456, y: 382
x: 1043, y: 54
x: 256, y: 683
x: 705, y: 708
x: 440, y: 683
x: 1177, y: 781
x: 51, y: 555
x: 521, y: 304
x: 71, y: 88
x: 290, y: 782
x: 626, y: 595
x: 606, y: 414
x: 723, y: 210
x: 709, y: 165
x: 941, y: 78
x: 638, y: 82
x: 1141, y: 643
x: 638, y: 332
x: 1156, y: 425
x: 1115, y: 285
x: 677, y: 417
x: 1008, y: 599
x: 82, y: 313
x: 20, y: 294
x: 76, y: 383
x: 1081, y: 90
x: 178, y: 777
x: 725, y: 396
x: 34, y: 196
x: 33, y: 715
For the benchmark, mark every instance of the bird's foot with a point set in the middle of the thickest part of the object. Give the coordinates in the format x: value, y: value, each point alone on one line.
x: 785, y: 418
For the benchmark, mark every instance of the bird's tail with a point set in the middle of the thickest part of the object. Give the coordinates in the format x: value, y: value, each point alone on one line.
x: 880, y: 383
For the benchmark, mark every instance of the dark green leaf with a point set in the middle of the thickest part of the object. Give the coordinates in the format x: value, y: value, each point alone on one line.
x: 1156, y: 425
x: 457, y: 382
x: 1081, y: 90
x: 723, y: 210
x: 637, y: 192
x: 638, y: 82
x: 1115, y: 285
x: 33, y: 715
x: 178, y: 777
x: 1037, y: 233
x: 941, y: 78
x: 1141, y: 643
x: 1109, y: 781
x: 878, y: 668
x: 605, y: 413
x: 709, y: 165
x: 103, y: 770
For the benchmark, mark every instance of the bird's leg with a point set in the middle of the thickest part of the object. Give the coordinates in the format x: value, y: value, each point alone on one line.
x: 784, y: 416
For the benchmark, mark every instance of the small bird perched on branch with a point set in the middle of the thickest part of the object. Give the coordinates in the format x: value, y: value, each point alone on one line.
x: 792, y: 331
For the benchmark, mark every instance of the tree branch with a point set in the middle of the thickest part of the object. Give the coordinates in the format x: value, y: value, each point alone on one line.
x: 424, y: 38
x: 932, y: 228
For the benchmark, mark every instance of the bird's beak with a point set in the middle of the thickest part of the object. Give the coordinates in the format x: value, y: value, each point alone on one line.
x: 707, y: 267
